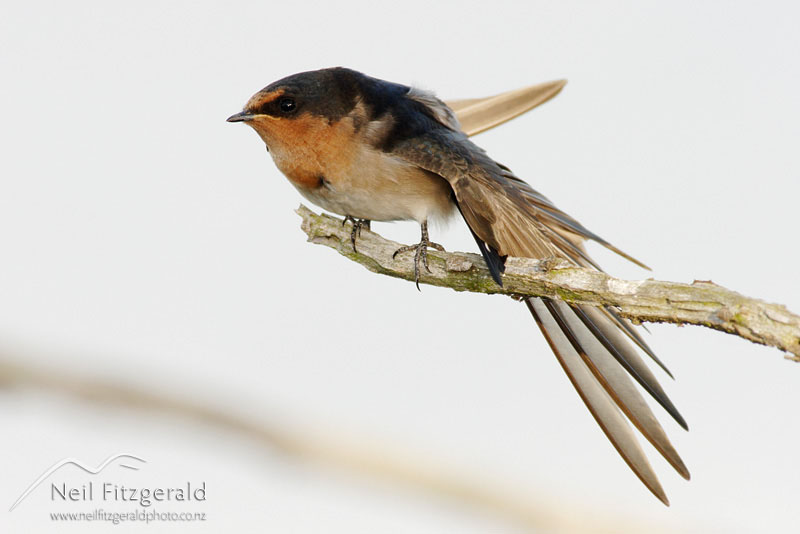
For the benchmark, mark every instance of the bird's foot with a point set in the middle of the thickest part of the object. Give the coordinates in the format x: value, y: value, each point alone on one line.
x: 358, y: 224
x: 420, y: 252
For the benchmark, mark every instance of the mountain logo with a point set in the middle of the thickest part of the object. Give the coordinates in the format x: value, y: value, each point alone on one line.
x: 123, y: 458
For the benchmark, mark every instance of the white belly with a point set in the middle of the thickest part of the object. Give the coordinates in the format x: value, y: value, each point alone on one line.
x: 381, y: 188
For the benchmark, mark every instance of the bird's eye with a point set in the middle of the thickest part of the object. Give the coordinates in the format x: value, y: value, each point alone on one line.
x: 287, y: 105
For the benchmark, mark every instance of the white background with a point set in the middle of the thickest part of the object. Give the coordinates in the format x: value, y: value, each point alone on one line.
x: 144, y: 240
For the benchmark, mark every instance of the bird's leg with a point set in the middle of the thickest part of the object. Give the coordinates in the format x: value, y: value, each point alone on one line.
x: 420, y: 251
x: 358, y: 224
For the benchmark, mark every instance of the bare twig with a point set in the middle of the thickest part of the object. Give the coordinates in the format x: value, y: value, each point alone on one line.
x: 699, y: 303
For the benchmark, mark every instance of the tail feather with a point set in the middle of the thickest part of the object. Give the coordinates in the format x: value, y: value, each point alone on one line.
x: 596, y: 398
x: 636, y: 338
x: 616, y: 343
x: 615, y: 378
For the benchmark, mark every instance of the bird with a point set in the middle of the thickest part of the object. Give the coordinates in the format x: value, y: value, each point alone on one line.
x: 374, y: 150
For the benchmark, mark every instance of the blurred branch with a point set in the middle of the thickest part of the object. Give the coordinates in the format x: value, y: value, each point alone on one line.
x: 352, y: 456
x: 700, y: 303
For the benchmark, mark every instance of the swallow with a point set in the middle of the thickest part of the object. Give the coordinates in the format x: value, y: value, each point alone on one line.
x: 374, y: 150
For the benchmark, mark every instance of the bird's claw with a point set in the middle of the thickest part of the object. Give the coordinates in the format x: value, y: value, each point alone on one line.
x: 420, y: 254
x: 358, y: 224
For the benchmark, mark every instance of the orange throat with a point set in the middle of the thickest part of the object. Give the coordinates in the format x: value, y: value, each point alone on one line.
x: 307, y: 148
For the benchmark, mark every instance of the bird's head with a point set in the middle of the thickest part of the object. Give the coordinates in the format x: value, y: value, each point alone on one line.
x: 299, y: 105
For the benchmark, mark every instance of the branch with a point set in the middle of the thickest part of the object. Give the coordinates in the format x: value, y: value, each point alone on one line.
x: 699, y: 303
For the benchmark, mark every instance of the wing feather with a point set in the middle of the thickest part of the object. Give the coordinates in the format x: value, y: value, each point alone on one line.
x: 477, y: 115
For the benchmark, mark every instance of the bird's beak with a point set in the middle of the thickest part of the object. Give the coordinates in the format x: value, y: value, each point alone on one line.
x: 242, y: 116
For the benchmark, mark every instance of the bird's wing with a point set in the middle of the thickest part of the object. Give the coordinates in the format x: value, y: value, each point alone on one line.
x: 509, y: 218
x: 477, y: 115
x: 506, y: 213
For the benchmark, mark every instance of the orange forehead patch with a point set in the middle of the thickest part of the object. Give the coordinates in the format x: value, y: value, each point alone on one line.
x: 260, y: 98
